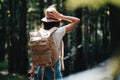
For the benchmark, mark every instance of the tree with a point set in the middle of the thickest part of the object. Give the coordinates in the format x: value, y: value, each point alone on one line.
x: 17, y: 38
x: 2, y: 32
x: 11, y: 40
x: 23, y: 38
x: 115, y: 25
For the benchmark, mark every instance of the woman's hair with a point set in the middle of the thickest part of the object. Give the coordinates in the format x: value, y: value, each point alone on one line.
x: 49, y: 25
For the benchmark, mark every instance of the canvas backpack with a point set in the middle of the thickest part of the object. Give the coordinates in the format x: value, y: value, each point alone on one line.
x: 43, y: 49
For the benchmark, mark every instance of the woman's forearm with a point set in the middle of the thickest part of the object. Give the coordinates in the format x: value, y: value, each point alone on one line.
x: 70, y: 19
x: 73, y: 22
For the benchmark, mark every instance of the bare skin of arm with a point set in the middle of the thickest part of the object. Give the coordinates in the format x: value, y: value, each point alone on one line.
x: 73, y: 22
x: 32, y: 69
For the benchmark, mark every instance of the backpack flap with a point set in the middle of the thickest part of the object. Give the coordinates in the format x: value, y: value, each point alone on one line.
x: 34, y: 38
x: 37, y: 39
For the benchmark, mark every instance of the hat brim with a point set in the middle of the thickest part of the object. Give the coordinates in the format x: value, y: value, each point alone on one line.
x: 49, y: 20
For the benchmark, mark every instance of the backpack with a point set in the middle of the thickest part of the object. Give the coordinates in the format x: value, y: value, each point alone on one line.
x: 43, y: 49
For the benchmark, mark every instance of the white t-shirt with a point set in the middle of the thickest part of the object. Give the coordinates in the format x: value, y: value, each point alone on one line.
x: 58, y: 36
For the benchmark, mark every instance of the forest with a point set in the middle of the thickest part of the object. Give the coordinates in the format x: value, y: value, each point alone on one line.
x: 95, y: 42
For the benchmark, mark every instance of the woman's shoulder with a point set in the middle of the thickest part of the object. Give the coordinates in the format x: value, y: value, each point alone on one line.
x: 60, y: 32
x: 60, y: 29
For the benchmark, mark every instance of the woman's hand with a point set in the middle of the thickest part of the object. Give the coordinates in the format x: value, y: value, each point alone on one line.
x: 53, y: 13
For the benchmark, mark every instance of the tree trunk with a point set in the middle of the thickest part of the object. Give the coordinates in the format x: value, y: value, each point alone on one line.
x: 2, y: 32
x: 49, y: 2
x: 42, y: 8
x: 79, y: 62
x: 85, y: 36
x: 23, y: 39
x: 11, y: 40
x: 115, y: 28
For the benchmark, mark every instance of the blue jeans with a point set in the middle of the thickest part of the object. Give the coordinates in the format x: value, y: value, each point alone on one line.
x: 49, y: 74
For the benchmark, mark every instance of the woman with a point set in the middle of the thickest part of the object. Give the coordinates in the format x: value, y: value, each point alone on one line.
x: 53, y: 19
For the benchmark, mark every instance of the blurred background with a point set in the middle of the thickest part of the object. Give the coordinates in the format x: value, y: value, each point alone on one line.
x: 92, y: 46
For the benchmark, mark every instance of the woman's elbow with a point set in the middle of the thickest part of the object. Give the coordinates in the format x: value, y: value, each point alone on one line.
x: 77, y: 20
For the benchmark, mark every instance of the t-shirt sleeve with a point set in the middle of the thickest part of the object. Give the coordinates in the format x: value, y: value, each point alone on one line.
x: 58, y: 35
x: 60, y: 31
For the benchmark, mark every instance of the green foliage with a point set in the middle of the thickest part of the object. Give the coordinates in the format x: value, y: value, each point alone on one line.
x: 4, y: 74
x: 115, y: 2
x: 33, y: 14
x: 0, y: 6
x: 11, y: 77
x: 3, y: 65
x: 92, y: 4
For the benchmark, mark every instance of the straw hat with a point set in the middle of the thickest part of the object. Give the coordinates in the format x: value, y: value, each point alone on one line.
x: 47, y: 17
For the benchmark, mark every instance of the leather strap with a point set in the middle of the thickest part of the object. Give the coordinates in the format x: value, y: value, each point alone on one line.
x: 52, y: 30
x: 43, y: 71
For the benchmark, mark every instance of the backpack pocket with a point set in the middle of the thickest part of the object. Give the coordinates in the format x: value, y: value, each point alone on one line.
x: 43, y: 60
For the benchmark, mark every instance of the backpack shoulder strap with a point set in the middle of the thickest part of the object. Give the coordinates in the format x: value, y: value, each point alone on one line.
x: 62, y: 55
x: 46, y: 32
x: 53, y: 30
